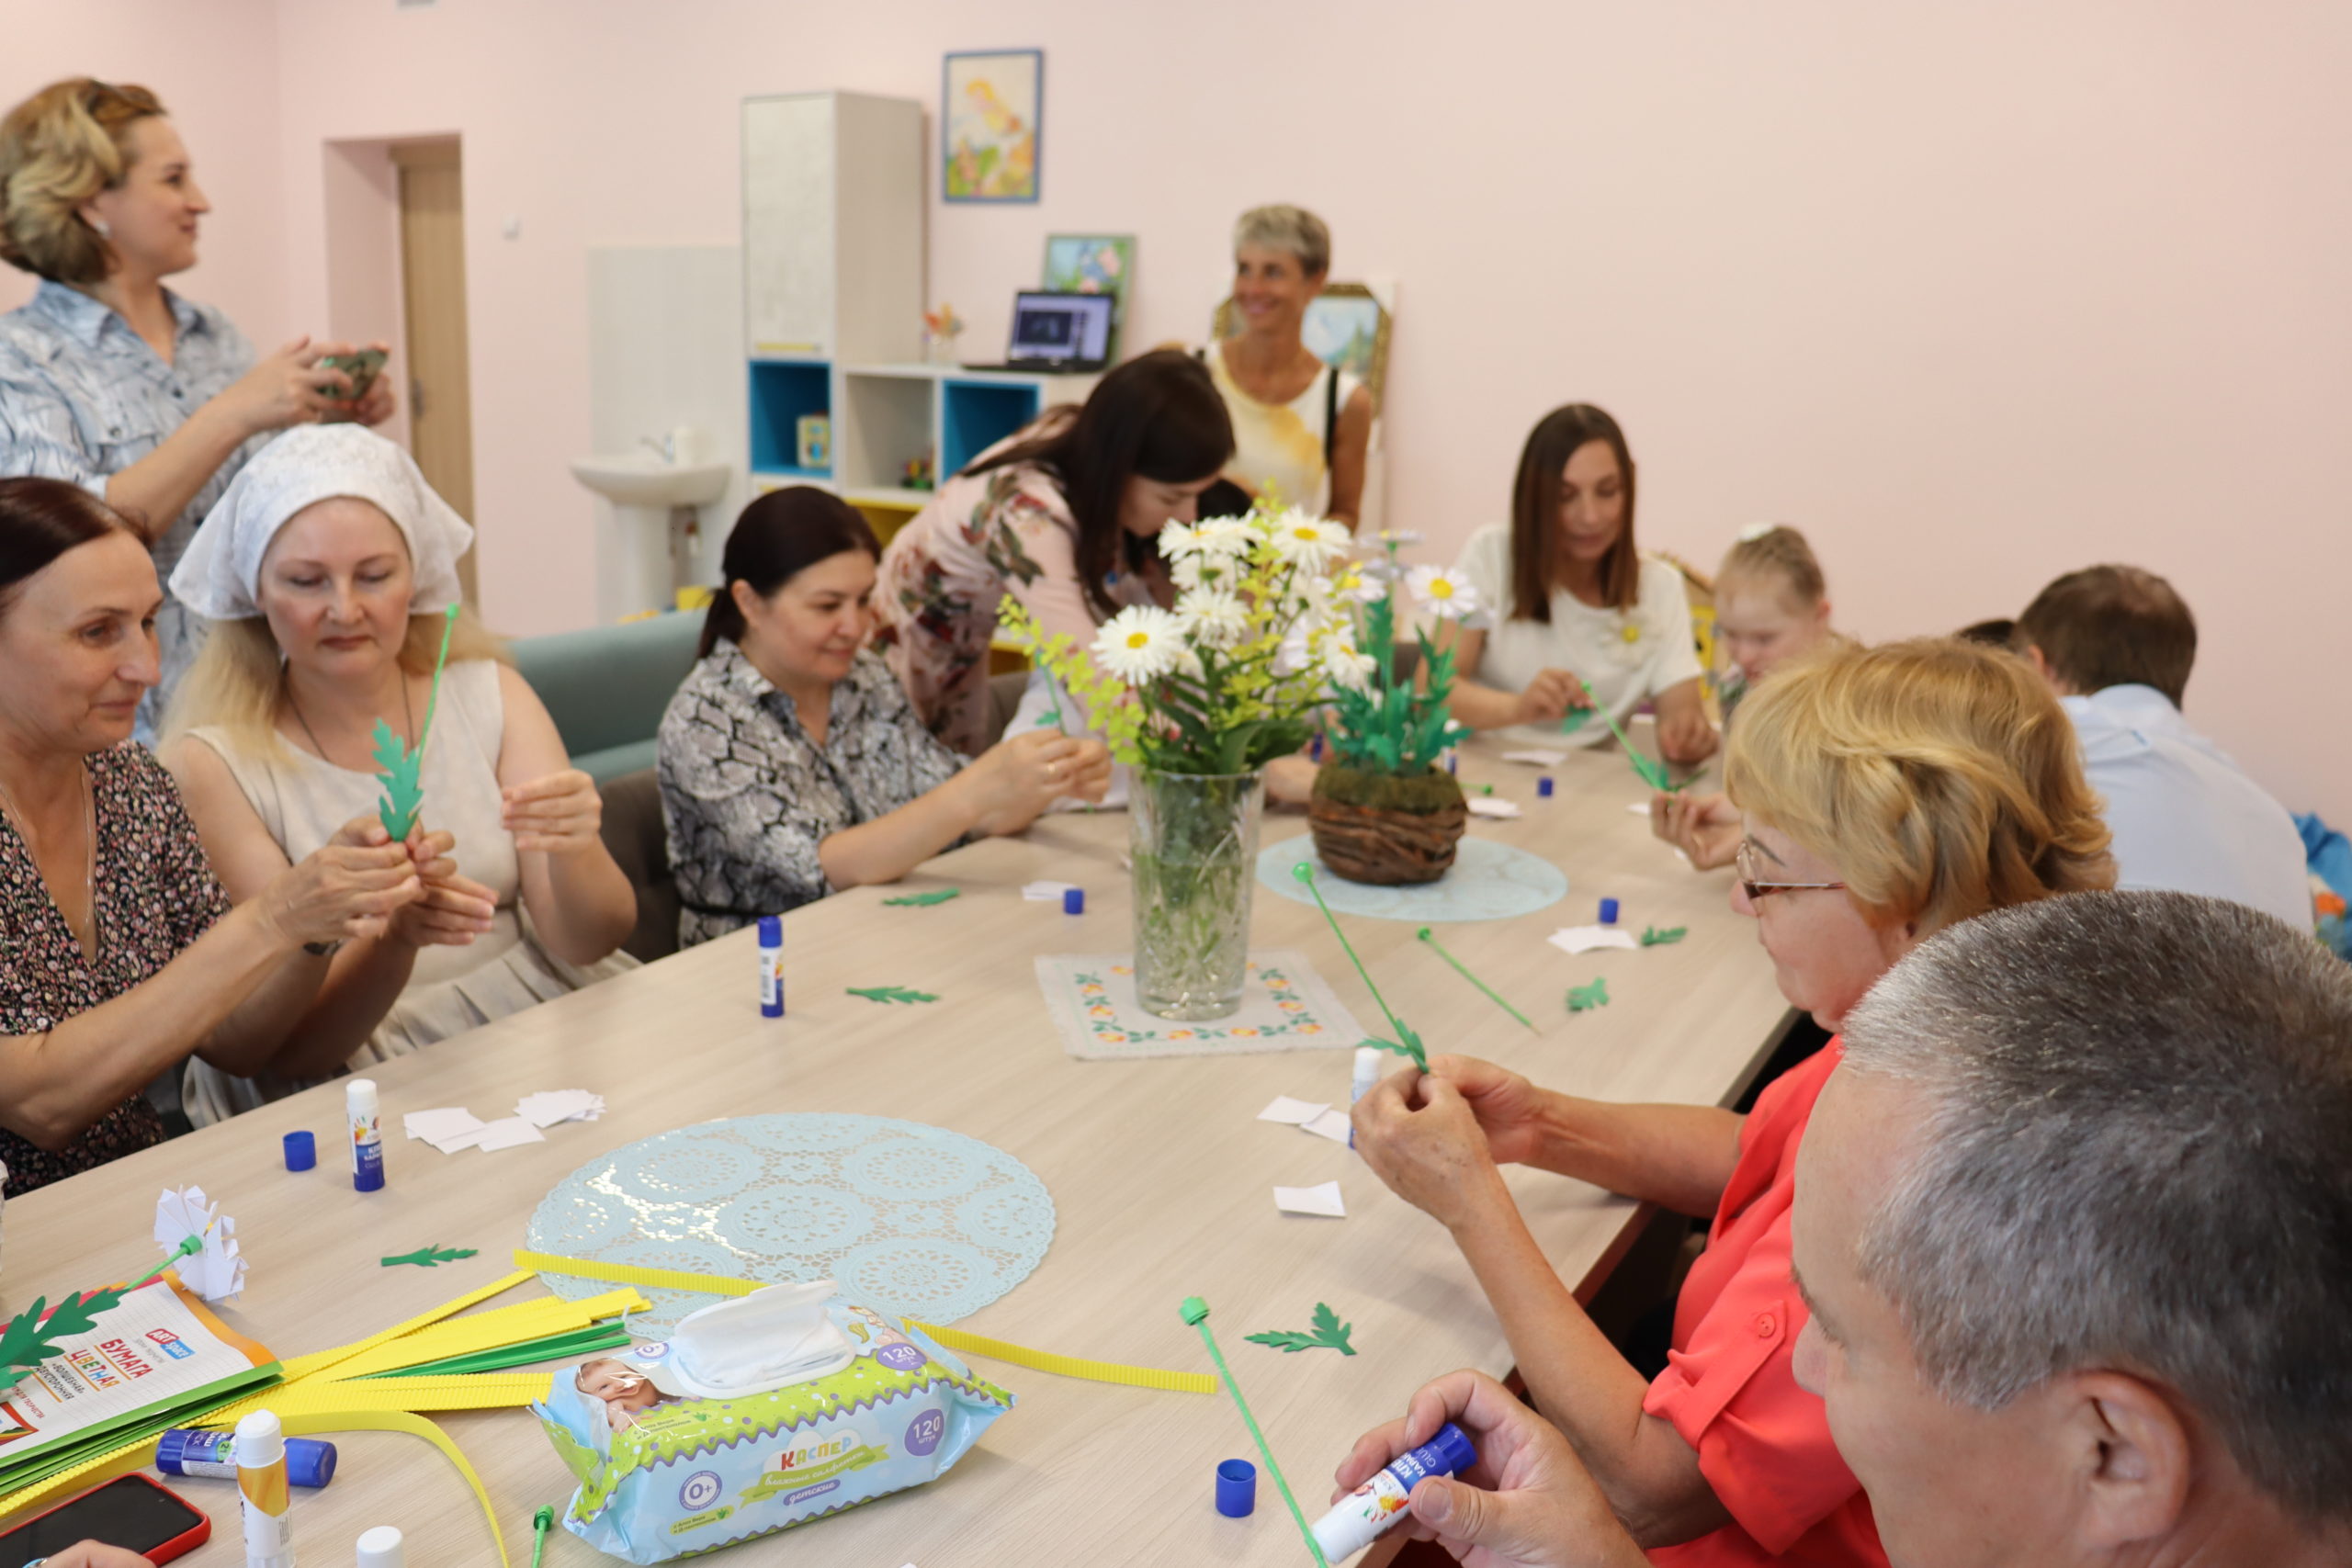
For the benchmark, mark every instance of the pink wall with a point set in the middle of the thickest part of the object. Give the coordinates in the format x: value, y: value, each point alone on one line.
x: 214, y: 64
x: 1973, y: 294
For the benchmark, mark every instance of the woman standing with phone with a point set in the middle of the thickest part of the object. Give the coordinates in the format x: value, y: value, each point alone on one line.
x: 109, y: 379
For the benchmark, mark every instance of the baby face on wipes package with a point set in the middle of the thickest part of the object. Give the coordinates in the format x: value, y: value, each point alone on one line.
x: 757, y: 1414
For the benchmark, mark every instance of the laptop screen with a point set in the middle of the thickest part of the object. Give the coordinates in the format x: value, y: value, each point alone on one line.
x: 1075, y: 327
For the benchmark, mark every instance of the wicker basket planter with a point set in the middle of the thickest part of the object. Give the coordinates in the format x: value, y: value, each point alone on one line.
x: 1377, y: 828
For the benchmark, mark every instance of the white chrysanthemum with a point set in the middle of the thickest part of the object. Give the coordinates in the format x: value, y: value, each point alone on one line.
x: 1140, y: 643
x: 1441, y: 593
x: 1213, y: 615
x: 1231, y: 537
x: 1308, y: 541
x: 218, y: 1272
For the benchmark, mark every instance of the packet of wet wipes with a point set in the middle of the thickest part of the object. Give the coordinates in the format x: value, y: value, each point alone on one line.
x: 756, y: 1415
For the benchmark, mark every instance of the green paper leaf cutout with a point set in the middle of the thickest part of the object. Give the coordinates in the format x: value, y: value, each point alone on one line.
x: 1584, y: 998
x: 1653, y: 936
x: 891, y: 994
x: 427, y: 1257
x: 924, y: 900
x: 27, y: 1341
x: 1329, y: 1334
x: 1411, y: 1051
x: 403, y: 796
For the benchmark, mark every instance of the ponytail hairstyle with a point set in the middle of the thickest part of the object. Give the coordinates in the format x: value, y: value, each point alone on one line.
x: 1535, y: 513
x: 778, y: 536
x: 1157, y: 417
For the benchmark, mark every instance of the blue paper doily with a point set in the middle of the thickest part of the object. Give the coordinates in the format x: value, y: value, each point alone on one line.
x: 920, y: 1221
x: 1487, y: 881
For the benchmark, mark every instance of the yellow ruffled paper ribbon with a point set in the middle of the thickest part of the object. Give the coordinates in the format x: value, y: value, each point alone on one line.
x: 953, y: 1338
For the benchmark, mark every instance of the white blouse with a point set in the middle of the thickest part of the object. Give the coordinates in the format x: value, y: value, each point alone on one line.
x: 1627, y: 657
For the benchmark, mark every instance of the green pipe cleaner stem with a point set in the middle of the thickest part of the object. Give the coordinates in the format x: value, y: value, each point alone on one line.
x: 1305, y: 873
x: 1196, y: 1312
x: 1424, y: 935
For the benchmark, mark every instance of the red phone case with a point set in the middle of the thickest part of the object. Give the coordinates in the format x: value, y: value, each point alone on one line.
x: 188, y: 1540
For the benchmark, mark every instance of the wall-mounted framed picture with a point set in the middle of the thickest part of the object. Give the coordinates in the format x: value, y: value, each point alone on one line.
x: 1092, y: 264
x: 992, y: 112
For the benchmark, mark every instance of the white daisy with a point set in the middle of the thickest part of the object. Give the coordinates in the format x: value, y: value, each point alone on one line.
x: 1231, y: 537
x: 1179, y: 541
x: 1347, y: 665
x: 1311, y: 541
x: 216, y: 1272
x: 1441, y: 593
x: 1214, y: 615
x: 1140, y: 643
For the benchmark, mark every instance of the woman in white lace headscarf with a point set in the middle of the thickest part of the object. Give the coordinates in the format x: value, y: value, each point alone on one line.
x: 325, y: 570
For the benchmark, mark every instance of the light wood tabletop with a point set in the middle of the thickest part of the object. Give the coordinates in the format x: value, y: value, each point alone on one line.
x: 1159, y: 1173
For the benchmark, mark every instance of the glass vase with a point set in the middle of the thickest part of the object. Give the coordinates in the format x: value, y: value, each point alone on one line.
x: 1195, y: 850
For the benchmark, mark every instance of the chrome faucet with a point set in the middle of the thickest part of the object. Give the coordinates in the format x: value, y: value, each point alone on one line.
x: 664, y: 447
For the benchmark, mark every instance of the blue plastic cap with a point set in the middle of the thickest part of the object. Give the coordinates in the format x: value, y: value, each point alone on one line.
x: 1449, y: 1453
x: 1544, y: 786
x: 302, y: 1151
x: 1609, y: 912
x: 1073, y: 900
x: 1236, y: 1488
x: 308, y: 1462
x: 771, y: 931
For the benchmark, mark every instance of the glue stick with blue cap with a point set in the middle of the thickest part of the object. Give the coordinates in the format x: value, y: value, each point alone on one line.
x: 183, y: 1450
x: 771, y: 966
x: 1365, y: 1514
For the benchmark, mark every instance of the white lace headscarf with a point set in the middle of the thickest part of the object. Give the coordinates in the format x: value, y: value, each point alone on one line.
x: 217, y: 576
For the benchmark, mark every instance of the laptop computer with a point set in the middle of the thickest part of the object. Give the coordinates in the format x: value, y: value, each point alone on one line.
x: 1056, y: 332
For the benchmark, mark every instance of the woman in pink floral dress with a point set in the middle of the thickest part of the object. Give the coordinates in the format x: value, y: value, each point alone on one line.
x: 1062, y: 516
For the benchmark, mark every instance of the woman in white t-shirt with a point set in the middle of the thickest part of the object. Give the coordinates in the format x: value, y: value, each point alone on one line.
x: 1570, y: 600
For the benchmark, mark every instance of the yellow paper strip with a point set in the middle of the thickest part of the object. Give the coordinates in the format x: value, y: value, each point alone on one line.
x: 320, y: 1360
x: 485, y: 1390
x: 954, y: 1339
x: 487, y: 1331
x: 304, y: 1426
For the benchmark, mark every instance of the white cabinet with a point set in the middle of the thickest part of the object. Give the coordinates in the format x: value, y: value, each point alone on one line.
x: 832, y: 226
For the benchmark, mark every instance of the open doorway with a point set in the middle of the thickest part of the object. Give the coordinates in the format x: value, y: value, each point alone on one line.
x: 396, y: 273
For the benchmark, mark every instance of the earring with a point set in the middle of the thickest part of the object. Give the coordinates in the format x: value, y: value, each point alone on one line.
x: 104, y: 230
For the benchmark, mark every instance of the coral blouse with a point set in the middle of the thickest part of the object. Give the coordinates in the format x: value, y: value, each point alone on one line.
x: 1729, y: 1387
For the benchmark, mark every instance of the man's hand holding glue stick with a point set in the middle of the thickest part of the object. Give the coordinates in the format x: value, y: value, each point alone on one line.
x: 1526, y: 1503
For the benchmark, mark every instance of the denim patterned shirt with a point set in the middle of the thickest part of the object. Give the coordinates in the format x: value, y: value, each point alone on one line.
x: 82, y: 397
x: 748, y: 797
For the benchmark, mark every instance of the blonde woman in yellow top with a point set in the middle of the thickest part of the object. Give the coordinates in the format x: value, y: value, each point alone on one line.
x: 1299, y: 425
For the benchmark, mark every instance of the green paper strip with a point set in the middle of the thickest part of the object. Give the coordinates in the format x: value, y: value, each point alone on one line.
x: 1423, y: 934
x: 547, y: 1348
x: 1305, y: 872
x: 925, y: 900
x: 1650, y: 772
x: 1195, y: 1312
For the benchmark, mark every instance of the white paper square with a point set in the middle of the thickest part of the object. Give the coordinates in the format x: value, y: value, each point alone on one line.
x: 1587, y: 939
x: 508, y: 1133
x: 1638, y: 808
x: 1323, y: 1199
x: 1537, y: 757
x: 1332, y: 1124
x: 1292, y: 1113
x: 453, y: 1142
x: 1490, y: 806
x: 1045, y: 892
x: 446, y: 1121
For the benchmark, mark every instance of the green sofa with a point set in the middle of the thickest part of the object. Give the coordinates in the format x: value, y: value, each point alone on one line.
x: 606, y: 686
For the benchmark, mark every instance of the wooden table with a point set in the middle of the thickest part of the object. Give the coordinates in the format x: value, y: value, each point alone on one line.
x: 1158, y: 1170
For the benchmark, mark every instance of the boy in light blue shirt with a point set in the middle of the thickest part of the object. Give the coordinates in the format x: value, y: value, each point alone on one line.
x: 2116, y: 643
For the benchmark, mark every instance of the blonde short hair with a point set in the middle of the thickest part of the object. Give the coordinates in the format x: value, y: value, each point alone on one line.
x: 1285, y: 228
x: 237, y: 681
x: 57, y: 149
x: 1778, y: 555
x: 1941, y: 778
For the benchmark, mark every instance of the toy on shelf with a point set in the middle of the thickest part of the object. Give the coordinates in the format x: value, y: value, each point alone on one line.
x: 920, y: 473
x: 940, y: 327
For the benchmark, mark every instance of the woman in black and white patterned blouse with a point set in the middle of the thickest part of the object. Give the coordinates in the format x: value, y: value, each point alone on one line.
x: 120, y: 955
x: 792, y: 765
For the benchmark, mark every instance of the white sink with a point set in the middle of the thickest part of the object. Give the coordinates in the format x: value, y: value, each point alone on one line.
x: 642, y: 479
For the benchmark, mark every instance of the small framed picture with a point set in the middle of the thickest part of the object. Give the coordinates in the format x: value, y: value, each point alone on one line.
x: 992, y: 108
